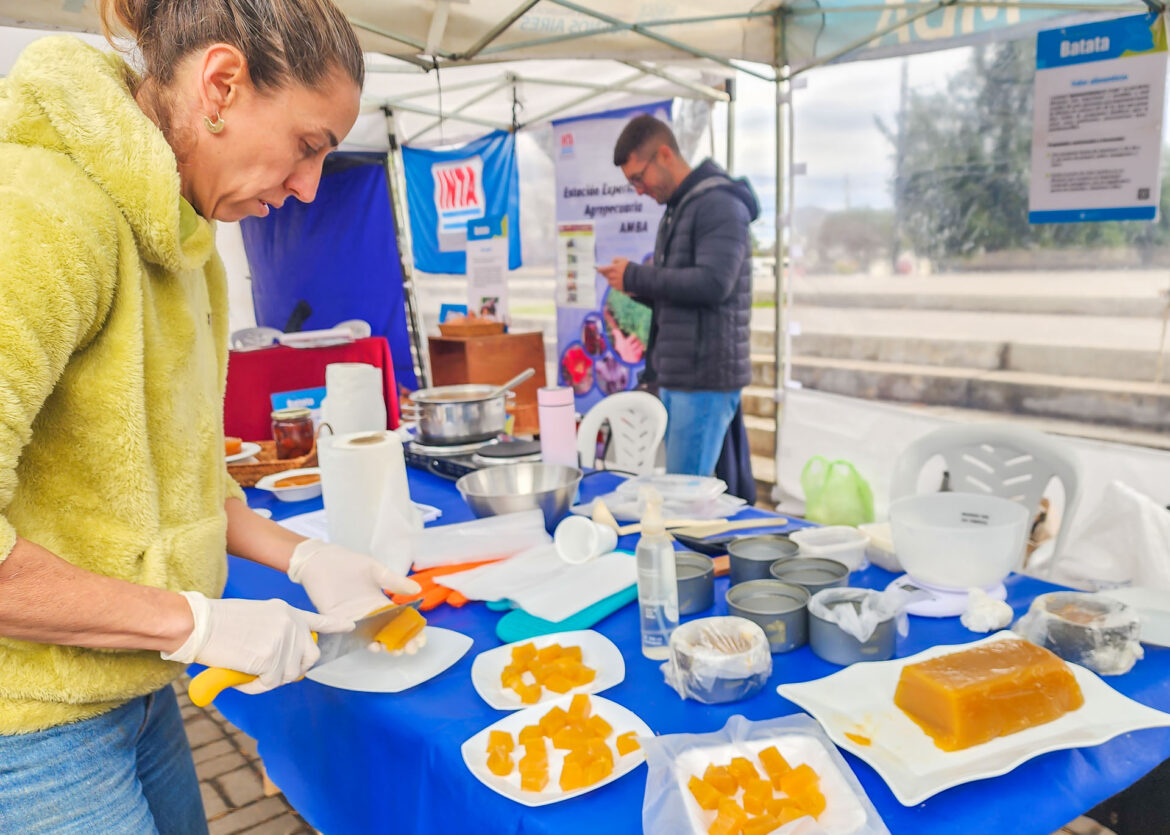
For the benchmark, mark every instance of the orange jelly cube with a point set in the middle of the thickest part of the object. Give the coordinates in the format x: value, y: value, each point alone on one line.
x: 567, y: 739
x: 529, y: 693
x: 706, y: 795
x: 572, y: 653
x: 760, y: 826
x: 510, y: 675
x: 549, y: 653
x: 719, y: 777
x: 777, y: 806
x: 558, y: 683
x: 789, y: 814
x: 572, y: 776
x: 811, y: 800
x: 533, y: 780
x: 553, y: 721
x: 499, y: 763
x: 798, y: 779
x: 724, y: 825
x: 583, y: 675
x: 597, y: 771
x: 626, y: 743
x: 529, y: 733
x: 500, y: 741
x: 743, y: 771
x: 729, y: 808
x: 598, y: 727
x: 756, y: 795
x: 581, y: 707
x: 774, y: 763
x: 523, y: 653
x: 535, y: 751
x: 600, y: 752
x: 398, y: 632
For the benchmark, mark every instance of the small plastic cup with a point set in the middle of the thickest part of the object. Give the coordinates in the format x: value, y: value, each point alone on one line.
x: 578, y: 539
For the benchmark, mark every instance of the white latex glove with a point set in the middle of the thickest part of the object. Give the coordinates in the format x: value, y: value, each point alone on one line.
x: 343, y: 582
x: 267, y: 638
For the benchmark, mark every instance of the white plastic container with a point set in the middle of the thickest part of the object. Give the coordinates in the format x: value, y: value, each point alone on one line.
x: 842, y: 543
x: 682, y: 495
x: 880, y: 549
x: 558, y: 426
x: 959, y: 540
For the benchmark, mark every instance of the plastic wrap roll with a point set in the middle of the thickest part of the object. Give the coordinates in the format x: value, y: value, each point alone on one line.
x: 353, y: 398
x: 367, y: 500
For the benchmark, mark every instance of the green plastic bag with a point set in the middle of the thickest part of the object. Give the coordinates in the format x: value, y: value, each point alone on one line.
x: 835, y: 493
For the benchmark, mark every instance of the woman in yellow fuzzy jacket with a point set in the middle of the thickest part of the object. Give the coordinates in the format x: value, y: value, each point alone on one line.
x: 115, y: 504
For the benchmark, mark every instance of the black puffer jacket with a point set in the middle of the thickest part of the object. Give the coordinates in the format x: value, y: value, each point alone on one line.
x: 700, y: 285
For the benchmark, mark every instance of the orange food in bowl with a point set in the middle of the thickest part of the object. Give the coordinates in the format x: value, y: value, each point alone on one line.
x: 232, y: 445
x: 297, y: 480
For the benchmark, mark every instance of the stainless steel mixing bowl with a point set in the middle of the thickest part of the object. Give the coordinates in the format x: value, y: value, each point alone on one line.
x: 511, y: 488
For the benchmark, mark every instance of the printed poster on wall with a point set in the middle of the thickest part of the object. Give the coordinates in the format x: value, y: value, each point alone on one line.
x: 487, y: 268
x: 447, y: 189
x: 575, y: 266
x: 1097, y: 129
x: 601, y: 333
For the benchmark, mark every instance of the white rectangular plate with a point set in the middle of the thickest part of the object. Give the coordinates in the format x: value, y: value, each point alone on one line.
x: 381, y: 672
x: 860, y: 700
x: 597, y: 651
x: 475, y: 751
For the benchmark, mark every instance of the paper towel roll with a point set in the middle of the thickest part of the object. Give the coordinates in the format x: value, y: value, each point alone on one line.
x: 367, y: 500
x: 353, y: 398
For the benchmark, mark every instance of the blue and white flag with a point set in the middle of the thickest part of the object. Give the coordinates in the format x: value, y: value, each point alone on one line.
x: 447, y: 189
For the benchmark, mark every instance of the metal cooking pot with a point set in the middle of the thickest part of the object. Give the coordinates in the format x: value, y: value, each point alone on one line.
x: 449, y: 415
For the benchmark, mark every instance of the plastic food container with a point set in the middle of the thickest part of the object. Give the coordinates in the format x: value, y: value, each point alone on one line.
x: 695, y: 574
x: 811, y: 574
x: 780, y: 609
x: 750, y: 557
x: 842, y: 543
x: 682, y: 495
x: 880, y: 548
x: 831, y: 642
x: 716, y: 660
x: 1092, y: 630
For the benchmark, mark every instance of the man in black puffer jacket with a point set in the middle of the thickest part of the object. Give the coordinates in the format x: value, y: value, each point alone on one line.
x: 699, y: 287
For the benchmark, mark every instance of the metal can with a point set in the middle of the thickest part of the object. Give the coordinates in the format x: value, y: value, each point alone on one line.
x: 292, y: 430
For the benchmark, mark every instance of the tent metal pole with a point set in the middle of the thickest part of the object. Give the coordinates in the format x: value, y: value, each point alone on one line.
x: 872, y: 36
x: 396, y: 183
x: 499, y: 28
x: 447, y: 88
x: 781, y: 314
x: 394, y: 36
x: 454, y: 114
x: 709, y: 93
x: 639, y: 29
x: 579, y: 100
x: 729, y: 85
x: 993, y: 4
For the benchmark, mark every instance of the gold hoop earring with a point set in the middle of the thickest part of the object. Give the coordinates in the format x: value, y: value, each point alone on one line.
x: 216, y: 126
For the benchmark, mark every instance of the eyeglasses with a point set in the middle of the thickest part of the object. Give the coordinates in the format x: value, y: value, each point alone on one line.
x: 637, y: 179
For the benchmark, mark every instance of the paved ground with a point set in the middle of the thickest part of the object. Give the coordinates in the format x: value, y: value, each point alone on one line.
x: 231, y: 777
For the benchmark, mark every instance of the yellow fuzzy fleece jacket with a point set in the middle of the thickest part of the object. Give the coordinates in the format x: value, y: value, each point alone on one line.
x: 113, y: 338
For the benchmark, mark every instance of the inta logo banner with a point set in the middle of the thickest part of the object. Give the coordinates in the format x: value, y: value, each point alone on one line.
x: 447, y: 189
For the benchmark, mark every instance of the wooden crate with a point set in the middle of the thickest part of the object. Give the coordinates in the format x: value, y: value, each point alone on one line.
x: 493, y: 359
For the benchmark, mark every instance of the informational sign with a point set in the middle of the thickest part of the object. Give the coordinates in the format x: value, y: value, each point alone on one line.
x: 447, y: 189
x: 601, y: 333
x: 487, y: 267
x: 575, y: 266
x: 1097, y: 130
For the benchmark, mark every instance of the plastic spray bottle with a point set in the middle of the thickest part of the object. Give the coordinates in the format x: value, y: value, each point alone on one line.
x: 657, y: 585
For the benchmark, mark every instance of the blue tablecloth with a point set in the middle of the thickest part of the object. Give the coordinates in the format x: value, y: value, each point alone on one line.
x: 366, y: 763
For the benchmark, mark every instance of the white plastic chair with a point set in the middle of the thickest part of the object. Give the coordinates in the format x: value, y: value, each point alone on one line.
x: 637, y: 423
x: 1014, y: 462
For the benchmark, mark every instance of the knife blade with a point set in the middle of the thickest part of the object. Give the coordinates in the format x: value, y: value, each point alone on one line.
x: 214, y: 680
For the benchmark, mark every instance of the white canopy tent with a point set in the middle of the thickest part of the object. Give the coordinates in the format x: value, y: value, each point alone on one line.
x: 436, y: 67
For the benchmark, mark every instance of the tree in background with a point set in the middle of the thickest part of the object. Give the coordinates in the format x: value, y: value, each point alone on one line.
x: 962, y: 167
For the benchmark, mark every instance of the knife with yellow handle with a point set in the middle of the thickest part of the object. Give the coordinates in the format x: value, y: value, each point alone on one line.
x: 214, y: 680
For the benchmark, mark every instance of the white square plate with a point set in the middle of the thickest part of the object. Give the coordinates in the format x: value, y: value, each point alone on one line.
x: 381, y: 672
x: 597, y: 651
x: 860, y: 700
x: 843, y: 811
x: 475, y: 751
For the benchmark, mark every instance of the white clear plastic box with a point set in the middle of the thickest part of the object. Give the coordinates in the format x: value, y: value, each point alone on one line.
x: 842, y: 543
x: 684, y: 495
x: 880, y: 550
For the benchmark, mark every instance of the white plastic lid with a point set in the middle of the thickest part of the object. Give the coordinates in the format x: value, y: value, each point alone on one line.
x: 828, y: 538
x: 674, y: 488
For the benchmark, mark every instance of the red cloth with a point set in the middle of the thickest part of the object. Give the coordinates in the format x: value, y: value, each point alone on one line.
x: 254, y: 375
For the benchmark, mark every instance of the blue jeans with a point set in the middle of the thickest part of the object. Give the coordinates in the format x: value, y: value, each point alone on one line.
x: 697, y: 423
x: 127, y: 771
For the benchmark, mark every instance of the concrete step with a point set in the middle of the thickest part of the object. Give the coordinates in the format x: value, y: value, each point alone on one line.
x: 1095, y: 400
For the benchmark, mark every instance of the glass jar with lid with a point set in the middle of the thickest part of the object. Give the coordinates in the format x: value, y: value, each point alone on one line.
x: 292, y: 430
